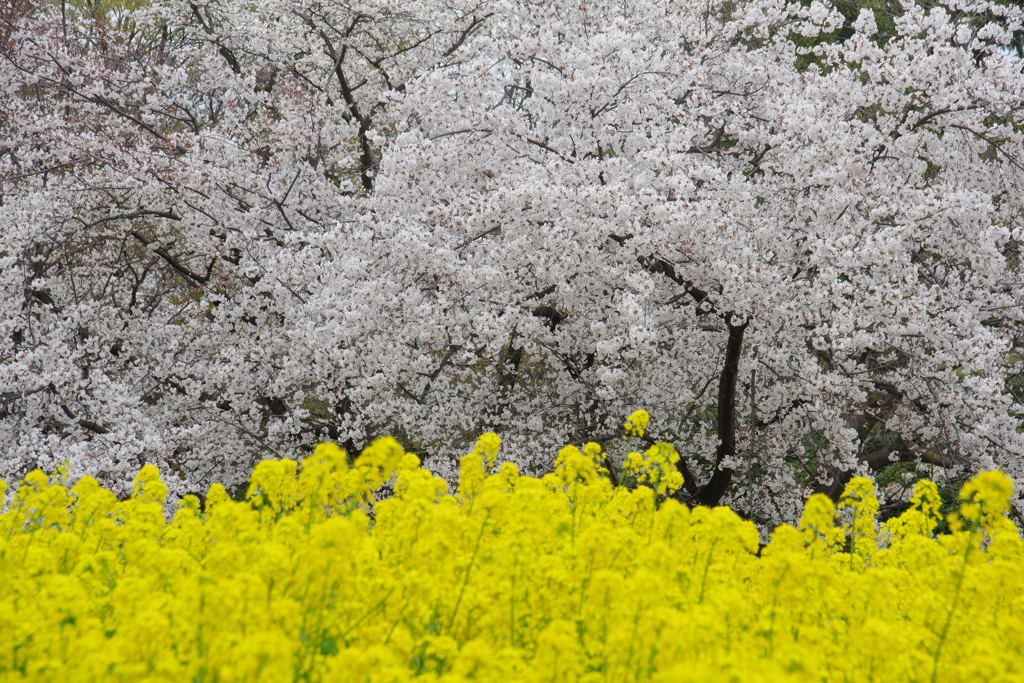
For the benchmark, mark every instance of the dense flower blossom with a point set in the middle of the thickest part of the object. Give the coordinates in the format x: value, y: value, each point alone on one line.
x: 564, y: 578
x: 791, y: 230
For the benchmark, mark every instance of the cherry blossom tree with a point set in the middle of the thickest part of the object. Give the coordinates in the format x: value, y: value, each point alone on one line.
x: 167, y: 174
x: 789, y: 231
x: 805, y: 273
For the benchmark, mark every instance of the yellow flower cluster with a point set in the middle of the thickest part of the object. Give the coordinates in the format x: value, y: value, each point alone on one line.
x: 513, y: 578
x: 636, y: 423
x: 657, y: 467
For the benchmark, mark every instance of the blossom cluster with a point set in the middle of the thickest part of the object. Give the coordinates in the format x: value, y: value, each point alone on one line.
x: 232, y: 230
x: 317, y: 576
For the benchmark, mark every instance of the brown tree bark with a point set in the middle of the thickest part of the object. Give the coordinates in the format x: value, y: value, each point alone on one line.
x: 711, y: 493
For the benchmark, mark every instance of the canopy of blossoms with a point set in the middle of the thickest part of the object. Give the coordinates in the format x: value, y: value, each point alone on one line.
x: 791, y: 233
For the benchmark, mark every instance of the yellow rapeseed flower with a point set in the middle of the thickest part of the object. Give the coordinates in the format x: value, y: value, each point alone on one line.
x: 515, y: 578
x: 636, y: 423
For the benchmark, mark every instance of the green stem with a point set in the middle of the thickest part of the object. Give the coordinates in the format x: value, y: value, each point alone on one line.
x: 707, y: 566
x: 360, y: 620
x: 952, y: 607
x: 465, y: 578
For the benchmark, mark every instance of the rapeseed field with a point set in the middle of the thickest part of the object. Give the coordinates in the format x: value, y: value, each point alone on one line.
x: 510, y: 578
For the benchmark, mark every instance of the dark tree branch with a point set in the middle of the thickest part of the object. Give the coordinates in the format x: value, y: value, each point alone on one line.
x: 542, y: 293
x: 716, y: 143
x: 474, y: 24
x: 711, y: 493
x: 995, y: 144
x: 366, y: 162
x: 452, y: 350
x: 93, y: 427
x: 938, y: 112
x: 553, y: 316
x: 657, y: 265
x: 207, y: 27
x: 474, y: 238
x: 174, y: 263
